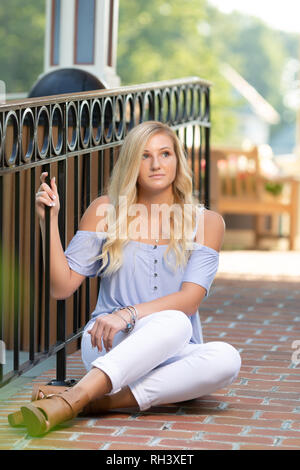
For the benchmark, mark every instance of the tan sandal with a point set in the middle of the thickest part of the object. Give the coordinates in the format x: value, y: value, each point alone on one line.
x: 41, y: 416
x: 16, y: 419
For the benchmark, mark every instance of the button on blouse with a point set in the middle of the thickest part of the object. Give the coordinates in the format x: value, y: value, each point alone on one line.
x: 144, y: 274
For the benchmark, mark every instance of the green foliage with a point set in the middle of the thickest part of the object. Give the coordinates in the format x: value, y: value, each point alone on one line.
x: 259, y: 53
x: 165, y: 39
x: 22, y: 32
x: 162, y: 40
x: 274, y: 188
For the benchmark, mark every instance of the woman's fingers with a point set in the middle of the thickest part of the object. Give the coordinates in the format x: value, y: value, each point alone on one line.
x: 43, y: 197
x: 50, y: 190
x: 47, y: 195
x: 108, y: 335
x: 102, y: 333
x: 96, y: 335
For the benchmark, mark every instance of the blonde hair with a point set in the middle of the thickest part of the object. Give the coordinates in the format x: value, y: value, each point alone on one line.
x: 123, y: 182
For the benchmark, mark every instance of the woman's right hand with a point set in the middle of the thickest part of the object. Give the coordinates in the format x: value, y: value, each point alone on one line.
x: 47, y: 196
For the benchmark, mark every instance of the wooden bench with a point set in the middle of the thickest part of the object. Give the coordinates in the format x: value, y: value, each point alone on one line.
x: 239, y: 187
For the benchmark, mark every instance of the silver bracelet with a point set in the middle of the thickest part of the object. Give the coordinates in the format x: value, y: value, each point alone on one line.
x: 129, y: 325
x: 132, y: 314
x: 135, y: 310
x: 132, y: 311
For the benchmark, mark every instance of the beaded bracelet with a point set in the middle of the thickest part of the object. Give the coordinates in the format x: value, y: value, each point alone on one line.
x: 130, y: 325
x: 133, y: 312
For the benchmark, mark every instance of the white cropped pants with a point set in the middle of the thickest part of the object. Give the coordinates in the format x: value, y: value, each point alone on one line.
x: 159, y: 364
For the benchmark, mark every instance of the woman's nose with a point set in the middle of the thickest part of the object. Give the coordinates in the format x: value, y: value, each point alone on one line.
x: 155, y: 162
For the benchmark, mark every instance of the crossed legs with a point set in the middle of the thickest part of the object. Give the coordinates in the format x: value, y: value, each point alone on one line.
x: 172, y: 372
x: 154, y: 364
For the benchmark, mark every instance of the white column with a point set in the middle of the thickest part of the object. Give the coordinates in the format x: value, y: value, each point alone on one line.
x: 67, y: 28
x: 47, y: 48
x: 100, y: 68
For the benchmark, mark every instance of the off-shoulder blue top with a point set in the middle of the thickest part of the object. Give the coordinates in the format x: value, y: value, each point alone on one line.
x: 144, y: 275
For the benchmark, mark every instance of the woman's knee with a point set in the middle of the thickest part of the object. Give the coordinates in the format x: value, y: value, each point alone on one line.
x: 228, y: 360
x: 178, y: 321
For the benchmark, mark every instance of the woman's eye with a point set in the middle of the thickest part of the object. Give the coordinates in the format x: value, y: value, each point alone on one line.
x: 145, y: 155
x: 166, y: 154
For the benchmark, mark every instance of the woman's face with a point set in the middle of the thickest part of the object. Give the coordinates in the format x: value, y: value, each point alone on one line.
x: 158, y: 158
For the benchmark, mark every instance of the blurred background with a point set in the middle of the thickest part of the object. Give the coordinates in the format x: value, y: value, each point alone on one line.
x: 250, y: 52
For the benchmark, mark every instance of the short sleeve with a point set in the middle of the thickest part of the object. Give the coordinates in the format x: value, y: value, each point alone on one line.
x: 202, y: 266
x: 82, y: 249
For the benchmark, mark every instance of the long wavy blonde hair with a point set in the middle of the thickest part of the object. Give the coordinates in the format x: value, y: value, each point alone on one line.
x: 123, y: 182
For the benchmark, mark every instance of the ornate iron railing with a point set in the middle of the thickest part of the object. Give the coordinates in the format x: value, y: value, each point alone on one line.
x: 75, y: 137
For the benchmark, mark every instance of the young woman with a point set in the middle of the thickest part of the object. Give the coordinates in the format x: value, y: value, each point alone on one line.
x: 143, y: 345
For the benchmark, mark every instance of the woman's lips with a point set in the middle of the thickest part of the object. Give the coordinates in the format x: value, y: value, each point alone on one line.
x: 156, y: 176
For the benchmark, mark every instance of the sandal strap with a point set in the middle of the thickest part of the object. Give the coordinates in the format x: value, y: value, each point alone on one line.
x: 73, y: 398
x: 46, y: 390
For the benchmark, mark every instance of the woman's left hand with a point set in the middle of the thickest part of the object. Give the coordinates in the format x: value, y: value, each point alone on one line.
x: 105, y: 327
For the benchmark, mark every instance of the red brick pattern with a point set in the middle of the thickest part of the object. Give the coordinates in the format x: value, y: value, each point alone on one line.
x: 261, y: 410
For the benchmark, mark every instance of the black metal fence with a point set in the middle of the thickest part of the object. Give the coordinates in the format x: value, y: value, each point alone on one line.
x: 75, y: 137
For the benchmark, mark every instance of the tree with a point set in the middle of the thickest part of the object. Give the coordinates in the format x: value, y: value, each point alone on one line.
x: 259, y: 53
x: 22, y: 32
x: 162, y: 40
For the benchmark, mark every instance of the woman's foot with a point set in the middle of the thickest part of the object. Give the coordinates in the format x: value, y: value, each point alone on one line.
x: 122, y: 399
x: 38, y: 393
x: 41, y: 416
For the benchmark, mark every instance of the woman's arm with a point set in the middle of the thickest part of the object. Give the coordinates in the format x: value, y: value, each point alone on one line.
x: 187, y: 299
x: 61, y: 276
x: 190, y: 296
x: 63, y: 280
x: 177, y: 301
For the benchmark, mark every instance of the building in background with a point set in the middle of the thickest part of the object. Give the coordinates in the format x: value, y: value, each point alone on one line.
x: 255, y: 115
x: 80, y: 47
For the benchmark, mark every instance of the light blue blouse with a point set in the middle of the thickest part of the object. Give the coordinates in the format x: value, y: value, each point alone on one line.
x: 144, y: 275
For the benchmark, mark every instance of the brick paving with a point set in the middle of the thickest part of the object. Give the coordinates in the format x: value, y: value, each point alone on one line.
x: 261, y: 410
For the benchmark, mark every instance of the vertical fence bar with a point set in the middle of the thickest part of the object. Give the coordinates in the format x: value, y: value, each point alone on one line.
x: 200, y: 164
x: 61, y: 304
x: 100, y: 188
x: 76, y: 319
x: 32, y: 316
x: 193, y: 154
x: 47, y: 269
x: 207, y: 151
x: 87, y: 180
x: 111, y: 160
x: 80, y: 142
x: 16, y: 273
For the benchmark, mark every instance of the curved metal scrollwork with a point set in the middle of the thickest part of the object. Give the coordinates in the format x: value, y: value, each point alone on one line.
x: 77, y: 137
x: 108, y: 120
x: 129, y: 113
x: 56, y: 127
x: 84, y: 124
x: 119, y: 117
x: 72, y: 125
x: 96, y: 124
x: 42, y: 132
x: 11, y: 138
x: 66, y: 125
x: 27, y: 135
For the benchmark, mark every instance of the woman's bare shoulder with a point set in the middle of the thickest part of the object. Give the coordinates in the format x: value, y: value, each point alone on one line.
x: 214, y: 230
x: 93, y: 219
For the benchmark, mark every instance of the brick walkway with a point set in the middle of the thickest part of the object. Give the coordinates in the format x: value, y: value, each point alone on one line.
x: 261, y: 410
